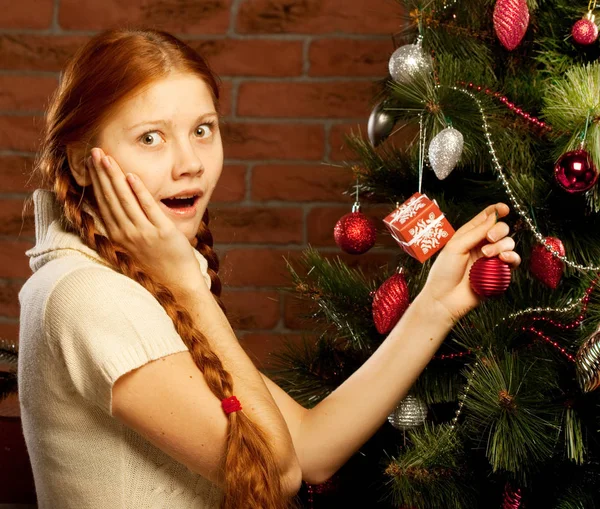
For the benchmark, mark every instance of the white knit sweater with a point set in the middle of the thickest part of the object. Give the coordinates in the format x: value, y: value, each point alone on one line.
x: 82, y: 326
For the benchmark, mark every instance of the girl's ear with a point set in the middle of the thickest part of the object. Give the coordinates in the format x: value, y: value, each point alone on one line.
x: 76, y: 157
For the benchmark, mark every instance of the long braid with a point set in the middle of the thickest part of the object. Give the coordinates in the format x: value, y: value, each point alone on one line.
x: 204, y: 245
x: 246, y: 441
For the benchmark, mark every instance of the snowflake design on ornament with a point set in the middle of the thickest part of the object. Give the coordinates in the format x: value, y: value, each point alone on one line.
x: 428, y: 232
x: 407, y: 211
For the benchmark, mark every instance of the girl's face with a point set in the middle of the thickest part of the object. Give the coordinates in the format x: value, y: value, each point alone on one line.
x: 168, y: 135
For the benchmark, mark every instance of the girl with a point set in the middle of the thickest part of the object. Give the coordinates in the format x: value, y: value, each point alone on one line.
x: 134, y: 390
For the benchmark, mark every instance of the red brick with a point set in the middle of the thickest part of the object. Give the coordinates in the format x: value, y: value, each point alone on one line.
x: 300, y: 182
x: 319, y: 16
x: 26, y: 13
x: 350, y: 57
x: 234, y: 57
x: 256, y: 267
x: 38, y: 52
x: 321, y: 221
x: 14, y: 220
x: 9, y: 331
x: 342, y: 99
x: 225, y: 98
x: 257, y: 225
x: 13, y: 261
x: 179, y: 16
x: 20, y: 132
x: 231, y: 186
x: 252, y: 309
x: 267, y: 141
x: 15, y: 173
x: 25, y: 92
x: 297, y: 312
x: 261, y: 347
x: 9, y: 297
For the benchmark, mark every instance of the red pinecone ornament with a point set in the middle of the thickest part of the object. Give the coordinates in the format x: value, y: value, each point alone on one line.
x: 489, y: 277
x: 390, y: 302
x: 544, y: 265
x: 355, y: 233
x: 511, y: 18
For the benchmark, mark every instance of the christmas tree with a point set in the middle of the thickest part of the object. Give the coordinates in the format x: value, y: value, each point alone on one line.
x: 504, y: 98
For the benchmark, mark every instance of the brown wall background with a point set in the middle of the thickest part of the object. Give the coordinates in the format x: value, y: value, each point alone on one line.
x: 297, y: 75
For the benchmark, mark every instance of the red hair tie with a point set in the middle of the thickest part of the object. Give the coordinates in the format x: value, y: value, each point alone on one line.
x: 231, y: 404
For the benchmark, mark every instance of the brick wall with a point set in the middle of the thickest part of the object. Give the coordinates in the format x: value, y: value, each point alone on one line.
x: 297, y: 75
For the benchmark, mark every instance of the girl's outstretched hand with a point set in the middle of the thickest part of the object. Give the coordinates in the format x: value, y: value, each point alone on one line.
x: 135, y: 221
x: 448, y: 280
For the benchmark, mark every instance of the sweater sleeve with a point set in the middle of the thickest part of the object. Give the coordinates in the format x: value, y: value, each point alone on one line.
x: 103, y: 324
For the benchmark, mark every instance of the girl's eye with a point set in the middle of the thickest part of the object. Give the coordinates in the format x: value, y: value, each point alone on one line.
x: 149, y: 137
x: 205, y: 130
x: 202, y: 131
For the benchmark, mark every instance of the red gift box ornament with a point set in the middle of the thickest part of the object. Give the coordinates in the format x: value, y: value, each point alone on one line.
x: 419, y: 227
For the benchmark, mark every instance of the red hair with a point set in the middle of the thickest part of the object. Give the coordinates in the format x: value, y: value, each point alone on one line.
x: 102, y: 74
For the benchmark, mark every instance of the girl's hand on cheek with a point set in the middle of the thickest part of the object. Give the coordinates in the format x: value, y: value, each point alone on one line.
x: 135, y: 221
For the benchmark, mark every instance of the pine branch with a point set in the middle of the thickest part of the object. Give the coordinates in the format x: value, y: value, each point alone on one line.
x: 430, y: 472
x: 509, y: 408
x: 342, y: 296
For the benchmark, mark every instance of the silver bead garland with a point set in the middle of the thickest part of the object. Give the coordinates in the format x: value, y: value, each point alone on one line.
x: 539, y: 237
x: 463, y: 396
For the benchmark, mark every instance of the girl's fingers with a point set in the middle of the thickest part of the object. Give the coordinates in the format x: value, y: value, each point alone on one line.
x: 512, y: 258
x: 473, y: 237
x: 497, y: 232
x: 125, y: 195
x: 501, y: 208
x: 505, y: 244
x: 121, y: 219
x: 147, y: 202
x: 105, y: 210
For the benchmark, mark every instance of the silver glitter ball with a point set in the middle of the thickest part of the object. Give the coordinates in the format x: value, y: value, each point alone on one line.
x: 444, y: 151
x: 408, y: 61
x: 380, y: 124
x: 410, y: 413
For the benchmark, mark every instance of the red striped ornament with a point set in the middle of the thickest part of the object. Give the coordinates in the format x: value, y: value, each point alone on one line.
x: 489, y: 277
x: 511, y: 18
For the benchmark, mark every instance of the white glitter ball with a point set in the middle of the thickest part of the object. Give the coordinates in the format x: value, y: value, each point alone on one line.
x: 444, y: 151
x: 408, y: 61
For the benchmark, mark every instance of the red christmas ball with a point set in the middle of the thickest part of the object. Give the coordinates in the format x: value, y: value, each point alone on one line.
x: 489, y: 277
x: 511, y: 18
x: 355, y: 233
x: 584, y: 31
x: 390, y: 302
x: 575, y: 171
x: 544, y: 265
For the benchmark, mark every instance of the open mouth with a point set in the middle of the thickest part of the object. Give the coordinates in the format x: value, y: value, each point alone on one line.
x: 180, y: 203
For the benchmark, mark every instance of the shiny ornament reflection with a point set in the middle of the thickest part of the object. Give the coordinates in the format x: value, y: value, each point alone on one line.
x: 380, y: 124
x: 408, y: 61
x: 575, y: 171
